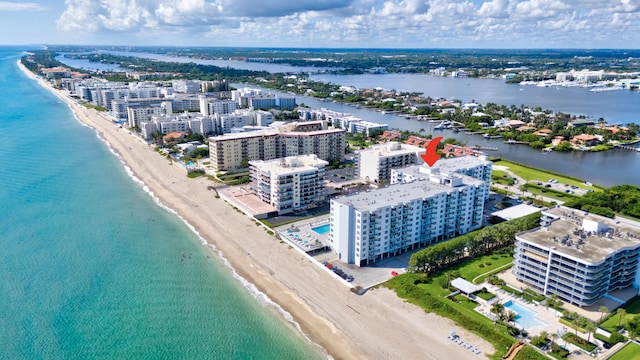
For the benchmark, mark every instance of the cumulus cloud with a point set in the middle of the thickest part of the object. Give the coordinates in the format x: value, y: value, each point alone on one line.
x: 14, y: 6
x: 386, y: 23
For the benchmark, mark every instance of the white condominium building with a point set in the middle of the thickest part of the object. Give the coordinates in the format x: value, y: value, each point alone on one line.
x: 578, y: 256
x: 233, y: 151
x: 210, y: 106
x: 290, y: 184
x: 375, y: 163
x: 428, y: 207
x: 367, y: 127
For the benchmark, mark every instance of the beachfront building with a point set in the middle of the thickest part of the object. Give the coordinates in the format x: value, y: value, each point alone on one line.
x: 578, y: 256
x: 375, y: 163
x: 425, y: 206
x: 235, y: 150
x: 210, y: 106
x: 137, y: 114
x: 290, y: 184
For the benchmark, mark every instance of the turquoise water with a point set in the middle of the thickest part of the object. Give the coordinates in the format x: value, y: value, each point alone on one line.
x: 526, y: 318
x: 322, y: 229
x: 91, y: 267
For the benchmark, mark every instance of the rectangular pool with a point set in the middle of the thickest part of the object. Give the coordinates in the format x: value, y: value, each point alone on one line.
x: 323, y: 229
x: 526, y: 318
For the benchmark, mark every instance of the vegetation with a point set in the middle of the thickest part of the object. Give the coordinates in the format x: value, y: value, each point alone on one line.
x: 530, y: 173
x: 428, y: 294
x: 529, y: 353
x: 481, y: 242
x: 579, y: 342
x: 628, y: 352
x: 622, y: 199
x: 501, y: 177
x: 615, y: 338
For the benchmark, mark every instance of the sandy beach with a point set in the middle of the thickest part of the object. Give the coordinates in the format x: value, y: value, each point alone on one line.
x: 377, y: 325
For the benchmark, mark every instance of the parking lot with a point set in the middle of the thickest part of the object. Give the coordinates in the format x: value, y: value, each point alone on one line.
x: 558, y: 186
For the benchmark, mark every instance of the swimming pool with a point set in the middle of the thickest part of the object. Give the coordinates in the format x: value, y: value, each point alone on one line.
x: 323, y: 229
x: 526, y: 318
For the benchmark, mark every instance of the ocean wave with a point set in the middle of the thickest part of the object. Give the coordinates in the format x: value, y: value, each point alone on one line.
x: 261, y: 297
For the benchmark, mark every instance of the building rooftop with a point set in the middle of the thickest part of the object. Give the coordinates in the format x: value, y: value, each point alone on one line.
x: 290, y: 165
x: 584, y: 236
x: 393, y: 148
x: 398, y: 194
x: 454, y: 164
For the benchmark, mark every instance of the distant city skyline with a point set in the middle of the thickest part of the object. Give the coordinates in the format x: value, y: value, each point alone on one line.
x: 325, y: 23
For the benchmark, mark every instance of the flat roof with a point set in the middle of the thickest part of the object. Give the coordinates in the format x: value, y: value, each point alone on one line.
x: 290, y: 164
x: 455, y: 164
x: 516, y: 211
x: 398, y: 194
x: 464, y: 286
x: 567, y: 236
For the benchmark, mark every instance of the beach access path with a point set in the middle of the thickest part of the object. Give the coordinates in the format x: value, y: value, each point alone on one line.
x: 377, y: 325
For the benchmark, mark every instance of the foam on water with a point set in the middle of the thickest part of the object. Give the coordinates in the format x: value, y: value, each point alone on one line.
x: 260, y: 296
x: 79, y: 232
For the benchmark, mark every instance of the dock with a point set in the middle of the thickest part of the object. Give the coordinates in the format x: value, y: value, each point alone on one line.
x: 511, y: 141
x: 629, y: 148
x: 490, y: 148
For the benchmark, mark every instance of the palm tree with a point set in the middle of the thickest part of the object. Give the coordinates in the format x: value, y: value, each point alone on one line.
x: 591, y: 328
x: 498, y: 309
x: 602, y: 309
x: 510, y: 317
x: 621, y: 313
x: 554, y: 338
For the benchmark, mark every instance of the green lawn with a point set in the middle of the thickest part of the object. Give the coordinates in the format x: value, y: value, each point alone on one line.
x: 502, y: 177
x: 628, y: 352
x: 611, y: 323
x: 541, y: 175
x: 428, y: 292
x: 484, y: 264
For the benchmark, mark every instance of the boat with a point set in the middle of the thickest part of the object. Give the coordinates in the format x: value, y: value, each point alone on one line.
x: 607, y: 88
x: 439, y: 127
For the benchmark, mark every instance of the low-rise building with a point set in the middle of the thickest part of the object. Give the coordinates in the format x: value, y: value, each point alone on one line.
x: 578, y: 256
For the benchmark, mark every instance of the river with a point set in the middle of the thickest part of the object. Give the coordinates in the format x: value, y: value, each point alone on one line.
x: 605, y: 168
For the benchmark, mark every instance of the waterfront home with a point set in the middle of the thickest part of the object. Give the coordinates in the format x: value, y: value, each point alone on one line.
x: 390, y: 135
x: 514, y: 124
x: 451, y: 150
x: 543, y: 132
x: 581, y: 122
x: 586, y: 140
x: 417, y: 141
x: 557, y: 140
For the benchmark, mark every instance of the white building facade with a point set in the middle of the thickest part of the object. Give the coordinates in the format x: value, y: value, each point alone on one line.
x: 290, y: 184
x: 426, y: 207
x: 578, y: 256
x: 375, y: 163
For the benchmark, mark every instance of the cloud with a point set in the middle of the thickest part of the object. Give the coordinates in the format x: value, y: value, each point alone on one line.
x: 13, y: 6
x: 360, y: 23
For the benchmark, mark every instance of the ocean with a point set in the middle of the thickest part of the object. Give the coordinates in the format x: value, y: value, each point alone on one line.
x: 92, y: 266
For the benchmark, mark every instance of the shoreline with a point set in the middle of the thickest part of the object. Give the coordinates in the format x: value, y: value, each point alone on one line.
x: 377, y: 325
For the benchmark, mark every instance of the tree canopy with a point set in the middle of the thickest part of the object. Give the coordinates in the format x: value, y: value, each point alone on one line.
x: 622, y: 199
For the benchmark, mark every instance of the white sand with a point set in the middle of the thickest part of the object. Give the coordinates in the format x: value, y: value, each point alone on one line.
x: 377, y: 325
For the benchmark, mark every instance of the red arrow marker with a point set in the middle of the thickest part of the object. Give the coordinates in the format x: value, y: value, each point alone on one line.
x: 430, y: 157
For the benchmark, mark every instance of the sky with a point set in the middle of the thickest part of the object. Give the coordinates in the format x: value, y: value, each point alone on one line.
x: 325, y: 23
